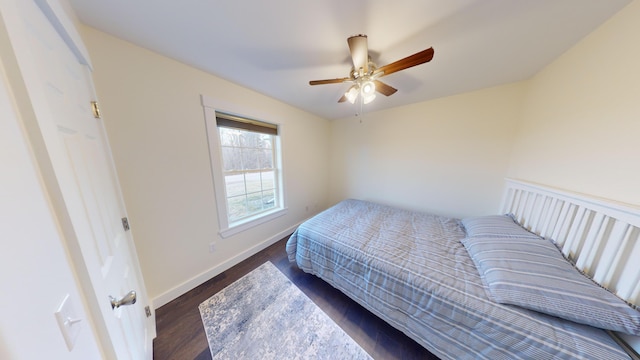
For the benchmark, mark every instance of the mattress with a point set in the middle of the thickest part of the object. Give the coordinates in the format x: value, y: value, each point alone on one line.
x: 410, y: 269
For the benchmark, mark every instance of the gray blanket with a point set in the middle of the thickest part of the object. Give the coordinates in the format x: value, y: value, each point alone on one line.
x: 411, y: 270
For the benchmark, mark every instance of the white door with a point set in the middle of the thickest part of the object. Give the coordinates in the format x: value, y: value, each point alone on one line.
x: 82, y: 178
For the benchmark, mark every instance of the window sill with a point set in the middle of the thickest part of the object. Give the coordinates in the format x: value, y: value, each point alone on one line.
x: 251, y: 222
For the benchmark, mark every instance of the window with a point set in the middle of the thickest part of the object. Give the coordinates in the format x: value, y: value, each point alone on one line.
x: 246, y: 169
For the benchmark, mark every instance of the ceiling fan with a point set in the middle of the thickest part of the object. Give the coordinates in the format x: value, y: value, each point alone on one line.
x: 365, y: 74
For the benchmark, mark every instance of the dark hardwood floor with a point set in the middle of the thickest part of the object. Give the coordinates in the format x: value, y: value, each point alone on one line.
x: 181, y: 334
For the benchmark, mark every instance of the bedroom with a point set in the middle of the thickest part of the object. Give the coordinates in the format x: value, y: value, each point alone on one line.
x: 560, y: 137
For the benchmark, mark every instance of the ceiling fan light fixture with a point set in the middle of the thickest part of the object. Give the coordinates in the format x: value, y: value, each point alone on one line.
x: 368, y: 88
x: 352, y: 94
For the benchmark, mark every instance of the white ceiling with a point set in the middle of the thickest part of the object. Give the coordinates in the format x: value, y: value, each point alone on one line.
x: 275, y: 47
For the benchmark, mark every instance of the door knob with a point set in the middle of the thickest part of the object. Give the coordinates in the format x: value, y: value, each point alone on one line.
x: 128, y: 299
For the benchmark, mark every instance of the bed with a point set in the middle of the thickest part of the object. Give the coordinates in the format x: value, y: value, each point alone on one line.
x: 419, y: 273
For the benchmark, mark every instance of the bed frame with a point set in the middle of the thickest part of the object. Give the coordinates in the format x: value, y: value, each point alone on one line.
x: 600, y: 236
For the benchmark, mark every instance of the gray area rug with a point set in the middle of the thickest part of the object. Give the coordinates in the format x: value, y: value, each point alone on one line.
x: 264, y: 315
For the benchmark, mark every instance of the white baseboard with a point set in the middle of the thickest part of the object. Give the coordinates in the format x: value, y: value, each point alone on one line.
x: 192, y: 283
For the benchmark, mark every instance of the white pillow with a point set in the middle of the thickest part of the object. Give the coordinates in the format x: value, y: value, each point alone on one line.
x: 495, y: 226
x: 533, y: 274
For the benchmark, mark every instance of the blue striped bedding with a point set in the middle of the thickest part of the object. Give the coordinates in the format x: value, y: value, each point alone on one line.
x: 411, y: 270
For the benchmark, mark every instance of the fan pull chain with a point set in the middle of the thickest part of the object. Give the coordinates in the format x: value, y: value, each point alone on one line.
x: 360, y: 113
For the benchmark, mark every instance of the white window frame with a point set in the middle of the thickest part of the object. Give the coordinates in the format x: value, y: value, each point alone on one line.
x: 215, y: 155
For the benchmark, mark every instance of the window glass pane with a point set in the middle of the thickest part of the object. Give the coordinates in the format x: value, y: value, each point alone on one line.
x: 269, y: 199
x: 250, y: 139
x: 254, y: 202
x: 231, y: 159
x: 266, y: 141
x: 234, y: 184
x: 253, y: 182
x: 237, y: 207
x: 266, y: 159
x: 268, y: 180
x: 250, y: 159
x: 229, y: 137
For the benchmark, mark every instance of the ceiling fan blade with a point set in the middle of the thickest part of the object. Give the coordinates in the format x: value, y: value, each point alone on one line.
x: 359, y: 52
x: 410, y: 61
x: 384, y: 89
x: 329, y: 81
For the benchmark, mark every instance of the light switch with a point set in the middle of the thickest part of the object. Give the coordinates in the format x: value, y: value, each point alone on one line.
x: 69, y: 321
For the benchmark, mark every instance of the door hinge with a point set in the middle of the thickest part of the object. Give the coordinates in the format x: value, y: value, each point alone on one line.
x: 147, y: 311
x: 95, y: 109
x: 125, y: 224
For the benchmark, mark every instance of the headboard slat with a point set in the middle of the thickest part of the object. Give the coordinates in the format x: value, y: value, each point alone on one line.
x: 543, y: 214
x: 564, y: 223
x: 551, y: 221
x: 591, y: 243
x: 629, y: 284
x: 576, y: 233
x: 539, y: 210
x: 612, y: 254
x: 524, y: 199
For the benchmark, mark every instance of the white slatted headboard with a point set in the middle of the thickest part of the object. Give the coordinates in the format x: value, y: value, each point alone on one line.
x: 602, y: 237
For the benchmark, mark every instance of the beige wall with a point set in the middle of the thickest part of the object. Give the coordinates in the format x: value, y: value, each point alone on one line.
x: 155, y: 121
x: 581, y: 122
x: 448, y: 156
